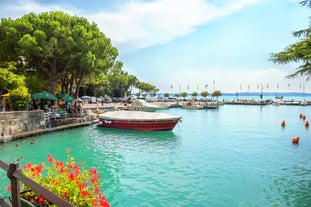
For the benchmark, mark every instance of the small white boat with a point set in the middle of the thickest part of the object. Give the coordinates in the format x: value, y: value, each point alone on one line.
x: 192, y: 105
x: 211, y: 105
x: 142, y: 105
x: 138, y: 120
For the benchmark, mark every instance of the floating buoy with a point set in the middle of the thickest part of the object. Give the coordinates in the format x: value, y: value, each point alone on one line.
x: 300, y: 115
x: 303, y: 117
x: 307, y: 124
x: 295, y: 140
x: 283, y: 123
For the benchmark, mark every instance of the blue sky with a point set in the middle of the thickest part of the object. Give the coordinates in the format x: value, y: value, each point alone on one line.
x: 193, y: 45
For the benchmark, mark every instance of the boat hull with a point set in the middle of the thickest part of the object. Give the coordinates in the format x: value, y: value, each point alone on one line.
x: 159, y: 125
x: 139, y: 120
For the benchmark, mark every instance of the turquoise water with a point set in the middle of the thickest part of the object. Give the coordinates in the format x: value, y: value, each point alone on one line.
x: 233, y: 156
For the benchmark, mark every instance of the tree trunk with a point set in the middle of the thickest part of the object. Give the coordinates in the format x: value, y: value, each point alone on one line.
x: 52, y: 76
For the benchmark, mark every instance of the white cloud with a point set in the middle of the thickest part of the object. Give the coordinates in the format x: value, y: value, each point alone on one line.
x: 18, y: 8
x: 141, y: 24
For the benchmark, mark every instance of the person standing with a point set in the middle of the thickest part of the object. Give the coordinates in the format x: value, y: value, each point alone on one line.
x: 3, y: 103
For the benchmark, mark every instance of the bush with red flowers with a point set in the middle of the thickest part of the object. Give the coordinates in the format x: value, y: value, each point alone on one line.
x: 72, y: 182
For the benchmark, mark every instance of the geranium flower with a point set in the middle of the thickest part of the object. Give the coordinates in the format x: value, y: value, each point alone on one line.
x: 73, y: 183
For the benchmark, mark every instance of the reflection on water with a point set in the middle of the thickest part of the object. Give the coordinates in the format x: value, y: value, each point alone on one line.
x: 122, y: 155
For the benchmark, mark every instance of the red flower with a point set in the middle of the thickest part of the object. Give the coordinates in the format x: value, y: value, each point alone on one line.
x: 40, y: 199
x: 84, y: 193
x: 93, y: 171
x: 65, y: 196
x: 103, y: 202
x: 27, y: 166
x: 58, y: 164
x: 50, y: 158
x: 36, y: 170
x: 71, y: 176
x: 8, y: 188
x: 70, y: 166
x: 97, y: 191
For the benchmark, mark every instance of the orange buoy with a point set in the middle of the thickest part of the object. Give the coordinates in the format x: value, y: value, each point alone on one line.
x: 303, y: 117
x: 307, y: 124
x: 300, y: 115
x: 283, y: 123
x: 295, y: 140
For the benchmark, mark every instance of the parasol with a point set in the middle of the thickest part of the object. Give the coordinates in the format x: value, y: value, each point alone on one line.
x: 44, y: 95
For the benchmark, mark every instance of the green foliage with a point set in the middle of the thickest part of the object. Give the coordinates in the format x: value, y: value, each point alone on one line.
x: 204, y: 94
x: 216, y: 93
x: 194, y: 94
x: 184, y: 94
x: 8, y: 78
x: 67, y: 52
x: 166, y: 95
x: 299, y: 52
x: 146, y: 87
x: 306, y: 3
x: 19, y: 98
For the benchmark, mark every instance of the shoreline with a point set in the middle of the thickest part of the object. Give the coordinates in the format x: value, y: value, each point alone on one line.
x: 31, y: 133
x: 91, y: 117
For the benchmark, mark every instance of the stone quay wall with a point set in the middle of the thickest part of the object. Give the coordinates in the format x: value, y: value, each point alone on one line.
x: 19, y: 121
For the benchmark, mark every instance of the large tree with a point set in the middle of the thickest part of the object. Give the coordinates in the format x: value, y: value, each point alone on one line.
x: 299, y: 52
x: 63, y: 49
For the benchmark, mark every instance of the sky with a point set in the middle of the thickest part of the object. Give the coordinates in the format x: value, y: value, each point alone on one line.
x: 193, y: 45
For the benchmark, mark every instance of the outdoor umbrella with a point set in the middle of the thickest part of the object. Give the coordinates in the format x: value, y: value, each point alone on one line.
x: 66, y: 97
x: 44, y: 95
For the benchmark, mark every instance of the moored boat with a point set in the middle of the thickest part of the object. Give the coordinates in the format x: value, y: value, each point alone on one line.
x: 211, y: 105
x: 142, y: 105
x: 192, y: 105
x: 139, y: 120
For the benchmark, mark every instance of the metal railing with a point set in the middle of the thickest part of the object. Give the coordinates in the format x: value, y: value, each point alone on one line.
x: 15, y: 175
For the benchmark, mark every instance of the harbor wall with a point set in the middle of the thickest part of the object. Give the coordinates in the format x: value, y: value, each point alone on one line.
x: 19, y: 121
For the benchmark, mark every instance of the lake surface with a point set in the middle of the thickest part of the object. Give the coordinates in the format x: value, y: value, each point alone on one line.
x: 233, y: 156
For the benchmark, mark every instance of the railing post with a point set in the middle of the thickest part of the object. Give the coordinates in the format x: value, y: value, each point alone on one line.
x: 15, y: 187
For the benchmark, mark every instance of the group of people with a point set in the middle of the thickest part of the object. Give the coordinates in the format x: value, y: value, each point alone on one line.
x: 71, y: 107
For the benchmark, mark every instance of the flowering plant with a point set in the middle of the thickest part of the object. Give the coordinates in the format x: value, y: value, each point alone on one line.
x: 73, y: 183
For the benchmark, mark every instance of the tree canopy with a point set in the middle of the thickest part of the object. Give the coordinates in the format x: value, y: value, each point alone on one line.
x: 299, y: 52
x: 66, y: 52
